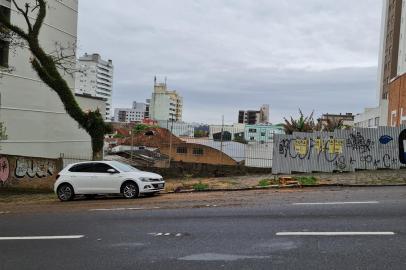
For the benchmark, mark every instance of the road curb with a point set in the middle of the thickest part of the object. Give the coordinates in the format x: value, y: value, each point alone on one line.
x: 282, y: 187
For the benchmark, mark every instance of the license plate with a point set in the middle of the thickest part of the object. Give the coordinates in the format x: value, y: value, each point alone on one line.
x: 160, y: 185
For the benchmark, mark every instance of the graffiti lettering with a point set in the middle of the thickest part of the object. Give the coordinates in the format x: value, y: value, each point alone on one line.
x: 4, y: 169
x: 340, y: 163
x: 386, y: 161
x: 34, y: 168
x: 359, y: 143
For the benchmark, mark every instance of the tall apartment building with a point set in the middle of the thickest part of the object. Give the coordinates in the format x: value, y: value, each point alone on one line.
x: 389, y: 47
x: 392, y: 63
x: 36, y: 121
x: 166, y: 105
x: 96, y: 79
x: 137, y: 113
x: 254, y: 117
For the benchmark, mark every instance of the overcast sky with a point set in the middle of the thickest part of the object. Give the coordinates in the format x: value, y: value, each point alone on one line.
x: 226, y: 55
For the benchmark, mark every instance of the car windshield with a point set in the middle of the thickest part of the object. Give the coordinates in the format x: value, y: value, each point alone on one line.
x: 124, y: 167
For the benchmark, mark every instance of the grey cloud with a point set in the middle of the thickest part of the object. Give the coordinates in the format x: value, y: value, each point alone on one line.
x: 225, y: 55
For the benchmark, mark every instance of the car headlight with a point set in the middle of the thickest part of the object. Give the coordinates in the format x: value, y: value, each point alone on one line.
x: 144, y: 179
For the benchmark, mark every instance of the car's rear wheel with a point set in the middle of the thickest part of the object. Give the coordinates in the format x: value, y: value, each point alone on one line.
x: 65, y: 193
x: 130, y: 190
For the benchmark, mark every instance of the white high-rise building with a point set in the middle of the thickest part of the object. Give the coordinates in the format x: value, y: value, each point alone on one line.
x: 96, y: 79
x: 165, y: 105
x: 36, y: 121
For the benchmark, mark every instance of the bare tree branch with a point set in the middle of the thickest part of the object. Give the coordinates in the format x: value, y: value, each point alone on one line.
x: 24, y: 13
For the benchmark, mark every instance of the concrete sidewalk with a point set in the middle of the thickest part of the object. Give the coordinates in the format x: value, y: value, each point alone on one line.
x: 359, y: 178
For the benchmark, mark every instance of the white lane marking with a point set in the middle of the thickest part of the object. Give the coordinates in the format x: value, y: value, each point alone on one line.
x: 108, y: 209
x: 42, y: 237
x: 4, y: 212
x: 123, y: 209
x: 166, y: 234
x: 336, y: 203
x: 332, y: 233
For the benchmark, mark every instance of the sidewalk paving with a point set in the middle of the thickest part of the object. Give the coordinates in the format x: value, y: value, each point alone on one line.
x: 249, y: 182
x: 359, y: 178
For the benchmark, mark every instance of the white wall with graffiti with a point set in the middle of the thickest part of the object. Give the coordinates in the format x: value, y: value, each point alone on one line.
x: 342, y: 150
x: 28, y: 172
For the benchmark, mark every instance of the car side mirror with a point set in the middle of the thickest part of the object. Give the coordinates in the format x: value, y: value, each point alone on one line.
x: 111, y: 171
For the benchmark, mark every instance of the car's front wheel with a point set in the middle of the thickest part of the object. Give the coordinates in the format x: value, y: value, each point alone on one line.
x: 65, y: 193
x: 130, y: 190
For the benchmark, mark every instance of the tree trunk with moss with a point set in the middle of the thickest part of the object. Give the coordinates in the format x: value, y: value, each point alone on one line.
x: 46, y: 66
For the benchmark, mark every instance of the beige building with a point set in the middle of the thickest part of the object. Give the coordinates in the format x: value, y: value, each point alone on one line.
x: 36, y: 121
x: 166, y: 105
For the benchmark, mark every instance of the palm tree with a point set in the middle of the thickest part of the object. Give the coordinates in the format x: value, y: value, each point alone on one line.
x: 303, y: 124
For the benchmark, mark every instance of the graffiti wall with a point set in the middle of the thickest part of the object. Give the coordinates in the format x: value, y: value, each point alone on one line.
x: 342, y: 150
x: 28, y: 172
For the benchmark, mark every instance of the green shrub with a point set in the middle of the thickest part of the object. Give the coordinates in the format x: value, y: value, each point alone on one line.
x: 307, y: 180
x: 200, y: 186
x: 264, y: 183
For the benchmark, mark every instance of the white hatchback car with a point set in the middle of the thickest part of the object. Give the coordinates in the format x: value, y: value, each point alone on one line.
x: 106, y: 177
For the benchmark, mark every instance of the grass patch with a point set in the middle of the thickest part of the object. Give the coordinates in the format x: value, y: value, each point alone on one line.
x: 200, y: 186
x: 264, y: 183
x: 307, y: 180
x: 268, y: 182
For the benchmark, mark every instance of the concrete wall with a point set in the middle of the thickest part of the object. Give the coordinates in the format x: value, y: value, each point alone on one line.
x: 342, y: 150
x: 28, y: 172
x: 36, y: 122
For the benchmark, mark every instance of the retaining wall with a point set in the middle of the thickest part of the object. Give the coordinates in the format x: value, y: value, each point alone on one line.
x: 28, y: 172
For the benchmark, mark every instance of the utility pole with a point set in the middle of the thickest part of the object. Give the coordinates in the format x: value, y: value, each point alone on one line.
x: 170, y: 143
x: 132, y: 145
x: 221, y: 139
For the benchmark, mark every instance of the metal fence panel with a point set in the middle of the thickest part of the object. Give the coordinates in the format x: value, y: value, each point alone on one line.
x: 342, y: 150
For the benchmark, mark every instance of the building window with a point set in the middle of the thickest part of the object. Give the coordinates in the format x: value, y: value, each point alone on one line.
x: 4, y: 45
x: 181, y: 150
x: 198, y: 151
x: 377, y: 121
x: 252, y: 138
x: 252, y: 130
x: 263, y: 134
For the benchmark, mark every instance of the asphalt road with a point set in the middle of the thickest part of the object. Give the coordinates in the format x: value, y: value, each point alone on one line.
x: 356, y: 228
